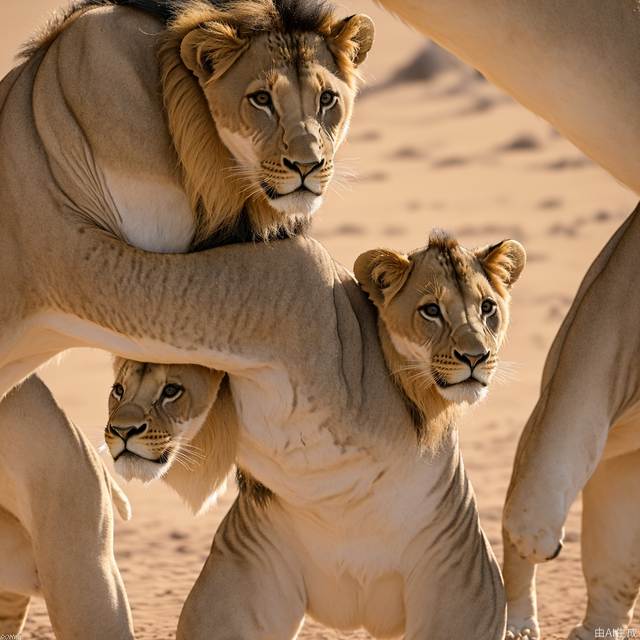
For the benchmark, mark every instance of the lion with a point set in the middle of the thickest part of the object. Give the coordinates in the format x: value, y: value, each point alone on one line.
x: 597, y: 454
x: 171, y: 126
x: 56, y: 523
x: 195, y: 124
x: 584, y: 82
x: 345, y: 519
x: 169, y: 415
x: 52, y: 280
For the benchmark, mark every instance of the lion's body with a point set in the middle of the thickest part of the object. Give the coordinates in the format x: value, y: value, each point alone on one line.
x: 576, y: 64
x: 350, y: 527
x: 596, y: 451
x: 324, y: 428
x: 573, y: 63
x: 53, y: 502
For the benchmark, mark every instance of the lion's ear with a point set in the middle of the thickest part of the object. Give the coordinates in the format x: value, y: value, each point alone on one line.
x: 382, y: 273
x: 503, y: 261
x: 352, y: 37
x: 210, y: 51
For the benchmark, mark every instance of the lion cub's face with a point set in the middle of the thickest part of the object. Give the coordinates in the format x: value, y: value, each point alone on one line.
x: 281, y: 103
x: 154, y: 411
x: 445, y: 309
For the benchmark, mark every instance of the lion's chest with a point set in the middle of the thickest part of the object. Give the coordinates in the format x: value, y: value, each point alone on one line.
x: 151, y: 212
x: 289, y: 442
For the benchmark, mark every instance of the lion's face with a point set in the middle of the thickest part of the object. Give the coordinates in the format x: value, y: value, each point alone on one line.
x: 446, y: 310
x: 283, y: 118
x: 281, y: 103
x: 155, y: 410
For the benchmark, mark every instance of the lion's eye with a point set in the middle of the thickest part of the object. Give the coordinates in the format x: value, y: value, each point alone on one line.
x: 117, y: 391
x: 172, y: 391
x: 328, y: 99
x: 261, y: 100
x: 430, y: 311
x: 488, y: 307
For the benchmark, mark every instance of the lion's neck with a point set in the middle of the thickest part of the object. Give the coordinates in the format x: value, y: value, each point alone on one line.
x: 433, y: 416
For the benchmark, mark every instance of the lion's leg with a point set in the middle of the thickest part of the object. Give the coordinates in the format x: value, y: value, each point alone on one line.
x: 455, y: 590
x: 18, y: 573
x: 65, y: 506
x: 611, y: 546
x: 13, y: 613
x: 520, y: 586
x: 251, y: 586
x: 588, y: 382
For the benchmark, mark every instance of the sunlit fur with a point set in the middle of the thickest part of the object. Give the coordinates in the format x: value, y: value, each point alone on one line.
x: 421, y: 351
x: 184, y: 441
x: 56, y: 523
x: 212, y: 57
x: 235, y: 52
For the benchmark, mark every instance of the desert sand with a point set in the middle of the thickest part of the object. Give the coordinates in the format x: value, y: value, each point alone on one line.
x: 432, y: 145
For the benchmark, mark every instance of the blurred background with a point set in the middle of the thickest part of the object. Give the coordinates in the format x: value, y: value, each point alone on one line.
x: 431, y: 145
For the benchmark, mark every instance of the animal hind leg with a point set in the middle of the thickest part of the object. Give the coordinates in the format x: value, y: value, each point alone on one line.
x: 13, y: 613
x: 566, y: 434
x: 520, y: 586
x: 18, y: 573
x: 70, y: 523
x: 611, y: 547
x: 250, y: 586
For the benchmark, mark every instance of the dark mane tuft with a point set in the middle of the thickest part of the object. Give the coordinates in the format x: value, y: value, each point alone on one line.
x: 303, y: 15
x: 283, y: 15
x: 439, y: 239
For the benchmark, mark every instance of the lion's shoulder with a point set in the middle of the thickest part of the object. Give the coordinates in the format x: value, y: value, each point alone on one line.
x: 63, y: 17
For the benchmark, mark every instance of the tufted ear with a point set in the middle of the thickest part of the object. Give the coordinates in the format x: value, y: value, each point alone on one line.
x: 503, y: 261
x: 210, y: 51
x: 382, y: 273
x: 353, y: 38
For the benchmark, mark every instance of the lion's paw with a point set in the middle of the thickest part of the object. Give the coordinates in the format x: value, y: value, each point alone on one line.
x: 523, y: 630
x: 534, y: 542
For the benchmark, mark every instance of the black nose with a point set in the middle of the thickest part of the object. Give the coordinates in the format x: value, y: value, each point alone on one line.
x: 471, y: 359
x: 127, y: 432
x: 302, y: 168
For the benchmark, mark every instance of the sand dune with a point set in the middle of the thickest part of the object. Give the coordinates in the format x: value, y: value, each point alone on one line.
x: 432, y: 145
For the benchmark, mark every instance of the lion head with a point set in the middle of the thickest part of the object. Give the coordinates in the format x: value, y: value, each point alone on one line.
x: 162, y: 424
x: 444, y: 311
x: 259, y: 94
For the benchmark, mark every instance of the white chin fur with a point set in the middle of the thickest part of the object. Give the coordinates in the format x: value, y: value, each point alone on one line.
x: 298, y: 203
x: 135, y: 468
x: 469, y: 392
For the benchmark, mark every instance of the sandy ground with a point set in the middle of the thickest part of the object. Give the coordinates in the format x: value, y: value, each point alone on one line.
x: 431, y: 144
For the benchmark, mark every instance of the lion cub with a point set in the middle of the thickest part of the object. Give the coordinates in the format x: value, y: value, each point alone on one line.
x: 443, y: 313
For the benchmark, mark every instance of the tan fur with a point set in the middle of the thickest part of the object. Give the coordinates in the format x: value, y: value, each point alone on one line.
x: 458, y: 281
x: 324, y: 429
x: 50, y: 504
x: 217, y: 193
x: 50, y: 304
x: 585, y: 434
x: 259, y: 529
x: 197, y: 433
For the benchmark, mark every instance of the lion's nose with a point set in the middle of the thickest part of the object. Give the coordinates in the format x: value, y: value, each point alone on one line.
x: 126, y: 432
x: 471, y: 359
x: 303, y: 168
